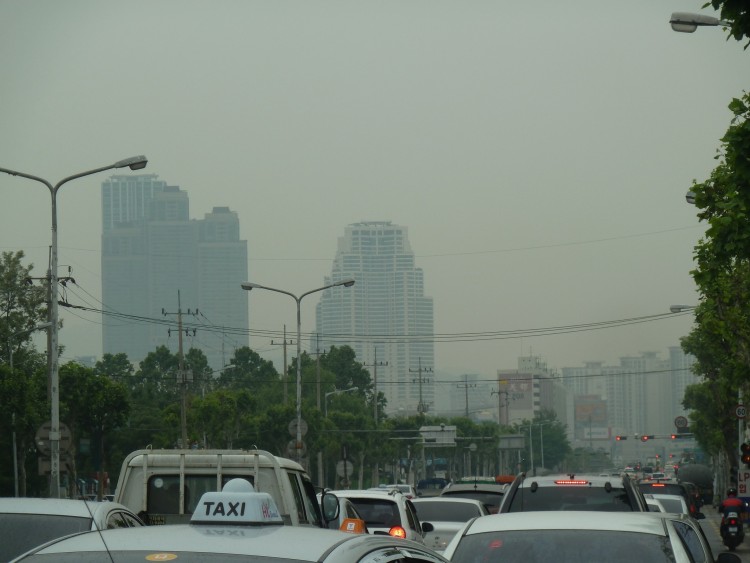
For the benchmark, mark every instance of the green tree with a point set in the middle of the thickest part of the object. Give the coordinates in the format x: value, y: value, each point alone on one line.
x: 720, y: 339
x: 93, y: 406
x: 22, y: 304
x: 738, y: 13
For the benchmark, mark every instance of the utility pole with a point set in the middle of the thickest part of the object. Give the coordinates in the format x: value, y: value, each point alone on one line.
x: 375, y: 365
x: 466, y: 385
x: 500, y: 394
x: 421, y: 407
x: 182, y: 374
x: 284, y: 374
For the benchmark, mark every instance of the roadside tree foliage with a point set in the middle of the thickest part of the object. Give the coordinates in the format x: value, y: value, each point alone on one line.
x: 737, y: 12
x: 720, y: 339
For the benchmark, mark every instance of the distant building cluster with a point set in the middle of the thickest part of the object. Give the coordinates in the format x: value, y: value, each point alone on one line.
x: 158, y: 262
x: 153, y: 253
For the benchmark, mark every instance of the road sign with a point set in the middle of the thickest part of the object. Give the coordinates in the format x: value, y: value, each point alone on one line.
x: 740, y: 411
x: 681, y: 422
x: 344, y: 468
x: 294, y: 450
x: 42, y: 438
x: 293, y: 427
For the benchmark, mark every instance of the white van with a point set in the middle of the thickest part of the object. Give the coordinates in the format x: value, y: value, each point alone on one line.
x: 164, y: 486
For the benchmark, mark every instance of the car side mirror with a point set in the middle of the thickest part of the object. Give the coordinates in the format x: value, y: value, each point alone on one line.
x: 330, y: 505
x: 427, y: 527
x: 699, y: 516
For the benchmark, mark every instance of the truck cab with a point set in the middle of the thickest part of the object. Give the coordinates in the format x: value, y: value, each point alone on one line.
x: 164, y: 486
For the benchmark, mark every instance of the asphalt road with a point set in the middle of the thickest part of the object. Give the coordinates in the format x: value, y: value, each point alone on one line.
x: 710, y: 525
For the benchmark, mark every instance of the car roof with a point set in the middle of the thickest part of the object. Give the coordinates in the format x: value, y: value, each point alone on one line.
x: 448, y: 498
x: 484, y: 487
x: 291, y: 542
x: 586, y: 479
x: 568, y: 520
x: 384, y: 493
x: 54, y: 506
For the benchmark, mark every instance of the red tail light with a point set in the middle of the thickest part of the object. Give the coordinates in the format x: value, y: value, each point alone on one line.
x: 732, y: 522
x: 397, y: 532
x: 571, y: 482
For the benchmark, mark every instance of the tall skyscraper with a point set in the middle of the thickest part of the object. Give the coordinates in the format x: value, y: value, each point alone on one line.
x: 151, y: 250
x: 385, y: 317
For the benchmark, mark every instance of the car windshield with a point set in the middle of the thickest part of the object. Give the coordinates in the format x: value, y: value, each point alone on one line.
x: 446, y: 511
x: 563, y: 546
x: 566, y: 497
x: 377, y: 513
x: 21, y: 532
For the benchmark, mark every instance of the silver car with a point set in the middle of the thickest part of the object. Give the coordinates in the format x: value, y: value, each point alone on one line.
x: 447, y: 515
x: 575, y: 536
x: 29, y: 522
x: 235, y: 524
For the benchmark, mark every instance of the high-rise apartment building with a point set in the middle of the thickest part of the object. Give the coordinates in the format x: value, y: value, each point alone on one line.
x: 385, y: 317
x: 151, y: 253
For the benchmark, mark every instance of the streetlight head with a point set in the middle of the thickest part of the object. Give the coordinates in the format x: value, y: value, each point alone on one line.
x: 134, y: 163
x: 680, y: 308
x: 686, y: 22
x: 248, y: 286
x: 690, y: 197
x: 346, y: 283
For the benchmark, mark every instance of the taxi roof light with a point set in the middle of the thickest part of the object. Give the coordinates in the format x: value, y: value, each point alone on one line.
x: 238, y: 504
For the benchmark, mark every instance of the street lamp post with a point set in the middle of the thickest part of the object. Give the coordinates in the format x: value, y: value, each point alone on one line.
x: 336, y: 392
x: 248, y: 286
x: 134, y: 163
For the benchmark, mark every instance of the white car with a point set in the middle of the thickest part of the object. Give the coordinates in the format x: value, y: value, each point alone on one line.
x: 407, y: 490
x: 447, y: 515
x: 573, y: 537
x: 389, y: 512
x: 345, y: 511
x: 236, y: 524
x: 29, y: 522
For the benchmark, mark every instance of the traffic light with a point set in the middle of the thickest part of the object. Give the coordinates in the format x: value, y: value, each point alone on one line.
x: 647, y: 437
x: 618, y: 438
x: 745, y: 448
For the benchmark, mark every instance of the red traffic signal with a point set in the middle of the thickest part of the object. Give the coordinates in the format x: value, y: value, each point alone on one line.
x: 647, y: 437
x: 618, y: 438
x: 745, y: 457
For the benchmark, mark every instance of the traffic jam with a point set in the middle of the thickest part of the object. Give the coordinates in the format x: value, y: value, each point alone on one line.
x: 198, y: 505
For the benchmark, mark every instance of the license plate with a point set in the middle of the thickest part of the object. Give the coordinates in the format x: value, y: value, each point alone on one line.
x: 732, y: 529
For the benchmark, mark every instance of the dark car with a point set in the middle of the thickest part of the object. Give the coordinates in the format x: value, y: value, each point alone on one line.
x: 607, y: 493
x: 671, y: 488
x: 490, y: 494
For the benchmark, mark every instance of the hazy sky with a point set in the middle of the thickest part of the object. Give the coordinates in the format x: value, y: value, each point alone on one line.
x: 538, y: 152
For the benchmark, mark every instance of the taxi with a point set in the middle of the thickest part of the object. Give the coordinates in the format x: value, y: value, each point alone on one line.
x: 236, y: 524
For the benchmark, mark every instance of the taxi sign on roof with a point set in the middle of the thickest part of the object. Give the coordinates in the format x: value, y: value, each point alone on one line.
x: 237, y: 503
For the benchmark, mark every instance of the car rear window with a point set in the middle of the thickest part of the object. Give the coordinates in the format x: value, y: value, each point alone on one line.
x: 563, y: 546
x: 21, y: 532
x: 446, y: 511
x: 378, y: 513
x: 663, y: 489
x: 567, y: 497
x: 490, y: 500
